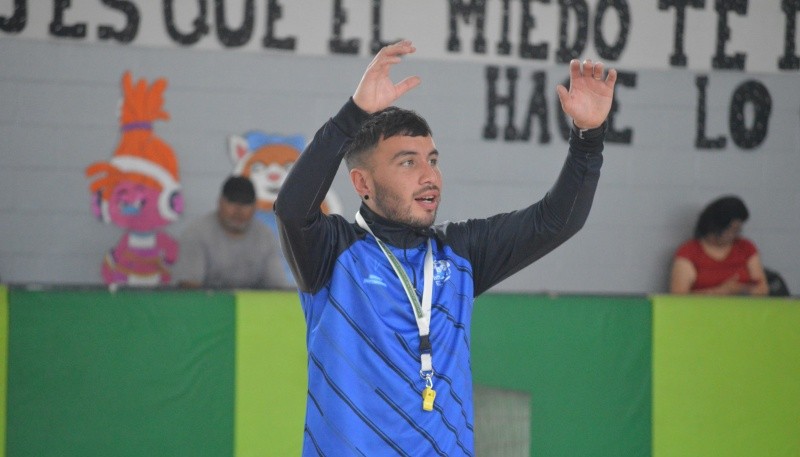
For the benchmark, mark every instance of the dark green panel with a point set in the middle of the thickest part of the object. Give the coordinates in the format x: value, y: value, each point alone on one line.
x: 3, y: 365
x: 134, y: 373
x: 585, y: 361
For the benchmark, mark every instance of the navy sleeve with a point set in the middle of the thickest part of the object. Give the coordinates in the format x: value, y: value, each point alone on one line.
x: 308, y: 237
x: 502, y: 245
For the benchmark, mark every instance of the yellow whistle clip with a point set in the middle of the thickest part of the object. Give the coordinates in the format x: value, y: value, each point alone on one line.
x: 428, y: 395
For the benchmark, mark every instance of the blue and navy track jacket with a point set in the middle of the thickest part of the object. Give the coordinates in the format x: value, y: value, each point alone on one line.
x: 364, y: 387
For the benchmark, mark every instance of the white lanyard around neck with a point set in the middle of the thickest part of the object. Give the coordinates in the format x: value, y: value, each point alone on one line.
x: 422, y: 311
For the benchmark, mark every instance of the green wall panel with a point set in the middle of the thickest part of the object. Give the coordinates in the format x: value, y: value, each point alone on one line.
x: 726, y: 377
x: 133, y: 373
x: 270, y: 374
x: 3, y: 365
x: 585, y: 361
x: 180, y: 373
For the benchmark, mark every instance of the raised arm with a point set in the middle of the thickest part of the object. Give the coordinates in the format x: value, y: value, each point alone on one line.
x: 306, y: 236
x: 305, y: 188
x: 522, y: 237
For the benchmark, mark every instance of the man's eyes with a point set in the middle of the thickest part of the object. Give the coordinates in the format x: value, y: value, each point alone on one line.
x: 410, y: 162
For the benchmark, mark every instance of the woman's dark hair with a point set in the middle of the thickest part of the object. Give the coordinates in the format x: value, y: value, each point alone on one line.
x: 718, y: 215
x: 389, y: 122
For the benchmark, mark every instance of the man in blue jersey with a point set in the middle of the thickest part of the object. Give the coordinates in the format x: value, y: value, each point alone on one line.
x: 388, y: 298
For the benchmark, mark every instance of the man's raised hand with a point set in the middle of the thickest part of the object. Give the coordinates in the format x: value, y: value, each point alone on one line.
x: 588, y: 100
x: 376, y: 90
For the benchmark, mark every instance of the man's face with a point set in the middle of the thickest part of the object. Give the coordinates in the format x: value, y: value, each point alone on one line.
x: 406, y: 180
x: 235, y: 217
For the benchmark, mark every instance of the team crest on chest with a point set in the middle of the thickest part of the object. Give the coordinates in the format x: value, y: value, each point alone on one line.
x: 441, y: 271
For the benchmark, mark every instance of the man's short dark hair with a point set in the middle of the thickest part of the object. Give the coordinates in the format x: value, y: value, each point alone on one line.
x: 239, y: 189
x: 718, y: 215
x: 387, y: 123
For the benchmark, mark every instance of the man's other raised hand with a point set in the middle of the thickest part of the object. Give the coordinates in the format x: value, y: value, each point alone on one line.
x: 588, y: 100
x: 376, y: 90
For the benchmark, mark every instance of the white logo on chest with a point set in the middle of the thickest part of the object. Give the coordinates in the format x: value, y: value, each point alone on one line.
x: 441, y: 271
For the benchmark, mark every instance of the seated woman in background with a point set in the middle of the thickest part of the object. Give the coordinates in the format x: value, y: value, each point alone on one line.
x: 718, y: 261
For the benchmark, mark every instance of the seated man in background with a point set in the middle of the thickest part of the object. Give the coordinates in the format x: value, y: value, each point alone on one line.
x: 718, y: 260
x: 226, y: 249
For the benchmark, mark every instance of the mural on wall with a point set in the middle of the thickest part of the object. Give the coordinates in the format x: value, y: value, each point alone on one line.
x: 266, y: 159
x: 138, y: 190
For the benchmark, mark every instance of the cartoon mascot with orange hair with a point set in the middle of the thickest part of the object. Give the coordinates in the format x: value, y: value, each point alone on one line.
x: 139, y: 191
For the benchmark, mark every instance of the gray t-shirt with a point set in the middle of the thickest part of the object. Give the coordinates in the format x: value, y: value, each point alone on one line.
x: 210, y: 256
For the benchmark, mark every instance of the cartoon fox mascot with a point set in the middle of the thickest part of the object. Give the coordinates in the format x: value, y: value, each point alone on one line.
x: 139, y: 191
x: 266, y: 159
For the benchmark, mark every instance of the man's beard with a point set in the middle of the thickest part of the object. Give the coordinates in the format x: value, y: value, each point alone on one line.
x: 391, y: 206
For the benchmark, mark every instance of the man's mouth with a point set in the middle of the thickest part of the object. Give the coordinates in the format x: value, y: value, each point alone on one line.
x: 428, y: 199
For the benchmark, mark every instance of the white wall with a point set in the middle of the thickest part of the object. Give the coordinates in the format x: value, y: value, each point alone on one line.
x: 59, y: 103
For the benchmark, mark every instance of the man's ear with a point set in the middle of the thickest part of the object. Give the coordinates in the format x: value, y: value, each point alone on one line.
x: 361, y: 181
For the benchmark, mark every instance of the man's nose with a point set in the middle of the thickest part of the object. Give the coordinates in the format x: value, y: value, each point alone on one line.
x: 428, y: 173
x: 240, y: 211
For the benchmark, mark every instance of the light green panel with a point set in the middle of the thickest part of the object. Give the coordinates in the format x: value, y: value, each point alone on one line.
x: 270, y: 374
x: 726, y: 377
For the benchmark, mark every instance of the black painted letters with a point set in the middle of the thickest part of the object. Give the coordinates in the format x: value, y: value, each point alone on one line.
x: 17, y: 21
x: 721, y: 60
x: 337, y: 45
x: 678, y: 57
x: 790, y: 60
x: 275, y: 12
x: 493, y: 100
x: 128, y: 33
x: 232, y: 38
x: 200, y: 23
x: 57, y: 26
x: 756, y: 94
x: 567, y: 52
x: 538, y: 108
x: 701, y: 141
x: 526, y: 49
x: 458, y: 8
x: 604, y: 50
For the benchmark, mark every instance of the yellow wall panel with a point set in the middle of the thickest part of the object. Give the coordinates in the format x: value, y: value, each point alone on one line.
x: 270, y: 374
x: 725, y: 376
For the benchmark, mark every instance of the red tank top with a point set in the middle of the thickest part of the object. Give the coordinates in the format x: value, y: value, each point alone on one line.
x: 712, y: 272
